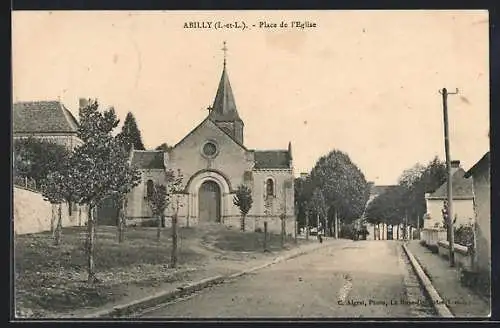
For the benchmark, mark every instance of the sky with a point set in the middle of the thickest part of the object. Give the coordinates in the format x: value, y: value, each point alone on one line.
x: 363, y: 82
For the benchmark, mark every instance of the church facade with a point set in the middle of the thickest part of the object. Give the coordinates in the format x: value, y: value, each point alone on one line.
x: 214, y: 161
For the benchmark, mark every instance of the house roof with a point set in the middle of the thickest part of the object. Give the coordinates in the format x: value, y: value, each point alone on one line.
x: 271, y: 159
x: 461, y: 186
x: 43, y: 117
x: 148, y: 159
x: 378, y: 190
x: 483, y: 160
x: 224, y: 106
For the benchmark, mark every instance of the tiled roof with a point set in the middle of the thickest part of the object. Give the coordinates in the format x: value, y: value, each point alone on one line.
x: 43, y: 117
x: 271, y: 159
x: 148, y: 159
x: 461, y: 186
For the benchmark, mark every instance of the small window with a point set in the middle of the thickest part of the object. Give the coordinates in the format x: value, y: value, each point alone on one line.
x: 270, y: 187
x: 149, y: 188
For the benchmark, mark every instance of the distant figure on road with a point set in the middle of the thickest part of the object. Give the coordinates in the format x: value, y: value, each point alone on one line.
x: 320, y: 233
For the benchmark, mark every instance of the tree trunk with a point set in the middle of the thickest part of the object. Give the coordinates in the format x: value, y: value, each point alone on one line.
x: 242, y: 223
x: 187, y: 221
x: 336, y: 224
x: 295, y: 229
x: 53, y: 219
x: 90, y: 246
x: 265, y: 236
x: 79, y: 216
x: 397, y: 232
x: 58, y: 232
x: 173, y: 259
x: 307, y: 226
x: 282, y: 232
x: 121, y: 222
x: 158, y: 229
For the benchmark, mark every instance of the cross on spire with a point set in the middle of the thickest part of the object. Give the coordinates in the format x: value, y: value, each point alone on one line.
x: 224, y: 48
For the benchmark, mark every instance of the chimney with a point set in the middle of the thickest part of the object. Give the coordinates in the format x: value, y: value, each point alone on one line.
x: 83, y: 102
x: 455, y: 165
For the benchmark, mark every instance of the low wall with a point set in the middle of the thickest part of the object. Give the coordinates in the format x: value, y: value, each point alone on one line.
x: 33, y: 214
x: 463, y: 258
x: 431, y: 236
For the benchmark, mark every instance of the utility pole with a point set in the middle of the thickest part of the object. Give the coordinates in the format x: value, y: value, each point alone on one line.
x: 451, y: 236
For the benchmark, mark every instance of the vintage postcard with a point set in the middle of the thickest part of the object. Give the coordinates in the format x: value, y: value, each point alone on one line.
x: 251, y: 164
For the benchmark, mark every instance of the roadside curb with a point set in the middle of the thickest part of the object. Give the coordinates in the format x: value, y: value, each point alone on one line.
x: 437, y: 302
x: 166, y: 296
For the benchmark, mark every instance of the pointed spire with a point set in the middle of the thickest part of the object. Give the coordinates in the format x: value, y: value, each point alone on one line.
x: 224, y: 106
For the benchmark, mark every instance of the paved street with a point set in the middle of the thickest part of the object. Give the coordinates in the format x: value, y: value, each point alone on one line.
x: 354, y: 279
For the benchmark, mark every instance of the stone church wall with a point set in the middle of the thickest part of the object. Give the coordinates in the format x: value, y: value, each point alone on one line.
x: 137, y: 206
x: 284, y: 193
x: 232, y: 159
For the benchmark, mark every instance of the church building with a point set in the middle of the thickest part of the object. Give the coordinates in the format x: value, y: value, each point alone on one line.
x: 214, y: 160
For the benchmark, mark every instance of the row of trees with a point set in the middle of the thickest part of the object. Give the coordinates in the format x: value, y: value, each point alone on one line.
x: 335, y: 189
x: 404, y: 203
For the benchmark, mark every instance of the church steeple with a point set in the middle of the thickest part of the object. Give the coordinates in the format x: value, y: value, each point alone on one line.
x: 223, y: 111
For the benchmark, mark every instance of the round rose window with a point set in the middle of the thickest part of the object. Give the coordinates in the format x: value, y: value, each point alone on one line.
x: 209, y: 149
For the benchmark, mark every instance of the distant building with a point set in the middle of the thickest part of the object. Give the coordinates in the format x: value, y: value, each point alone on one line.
x: 463, y: 207
x: 382, y: 231
x: 377, y: 190
x: 480, y: 174
x: 45, y: 120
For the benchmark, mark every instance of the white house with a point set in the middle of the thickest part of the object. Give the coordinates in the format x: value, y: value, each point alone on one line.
x: 463, y: 206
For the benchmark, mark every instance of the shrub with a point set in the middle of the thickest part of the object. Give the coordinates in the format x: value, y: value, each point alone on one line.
x: 258, y: 229
x: 433, y: 248
x: 464, y: 235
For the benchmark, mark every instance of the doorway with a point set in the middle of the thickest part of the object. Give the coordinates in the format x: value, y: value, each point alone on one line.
x: 209, y: 199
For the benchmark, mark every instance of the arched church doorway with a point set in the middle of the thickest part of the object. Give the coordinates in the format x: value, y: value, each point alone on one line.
x: 209, y: 199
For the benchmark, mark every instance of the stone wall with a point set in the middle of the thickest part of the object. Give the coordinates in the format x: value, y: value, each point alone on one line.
x: 33, y: 214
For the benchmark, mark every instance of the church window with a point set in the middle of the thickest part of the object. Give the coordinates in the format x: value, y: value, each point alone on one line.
x: 270, y: 187
x: 149, y: 188
x: 209, y: 149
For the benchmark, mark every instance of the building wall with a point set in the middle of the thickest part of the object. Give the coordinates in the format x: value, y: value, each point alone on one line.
x: 462, y: 208
x: 70, y: 141
x: 232, y: 159
x: 481, y: 183
x: 231, y: 163
x: 33, y: 214
x: 137, y: 206
x: 284, y: 192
